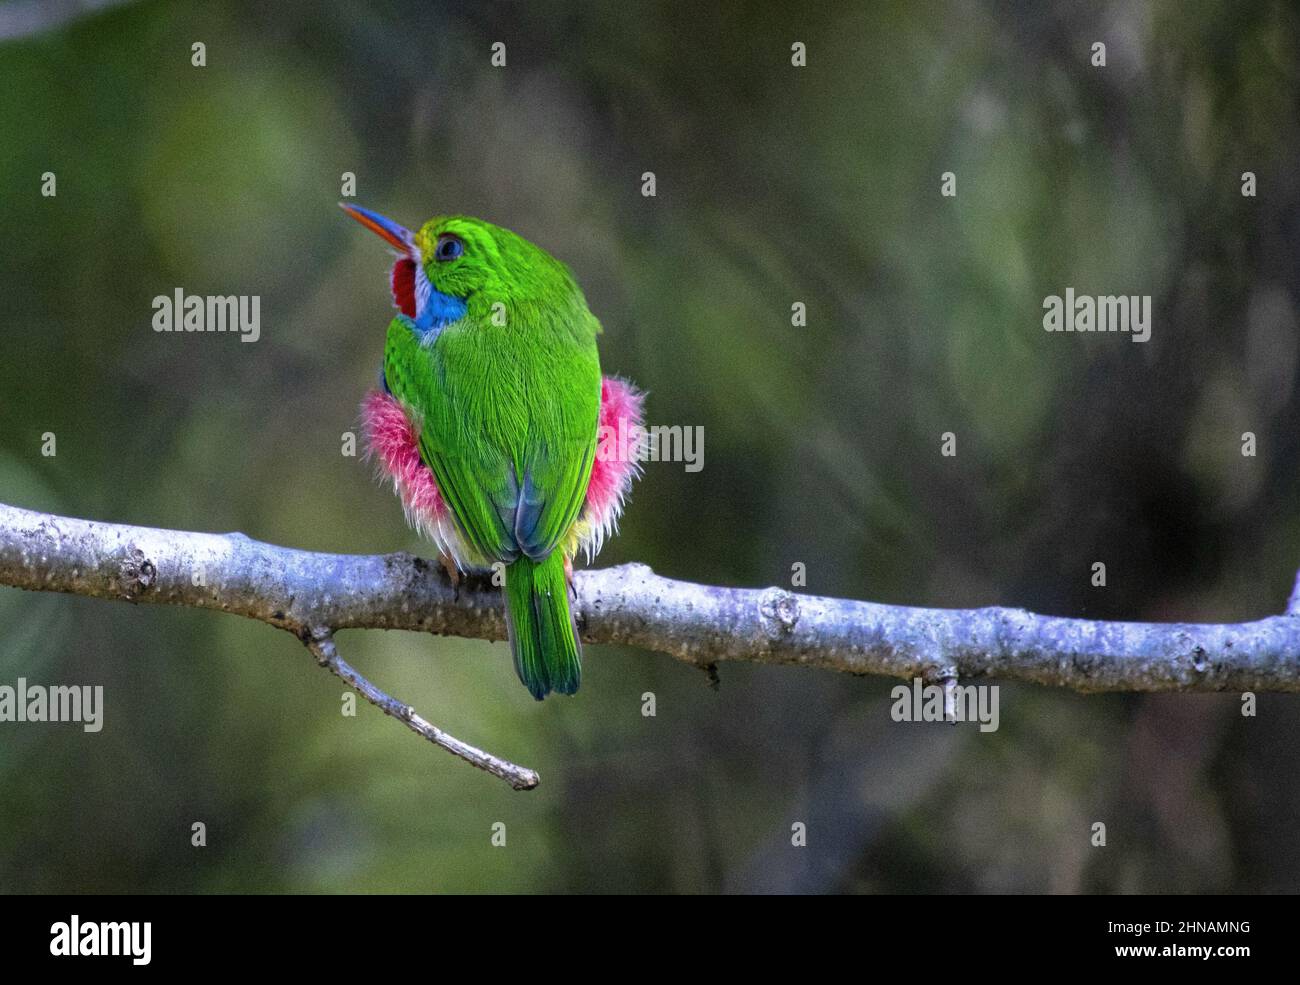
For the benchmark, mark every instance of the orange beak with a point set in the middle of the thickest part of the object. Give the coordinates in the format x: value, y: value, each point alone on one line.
x: 398, y: 237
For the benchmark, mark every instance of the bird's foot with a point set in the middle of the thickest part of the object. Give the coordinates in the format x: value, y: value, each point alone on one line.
x: 453, y: 574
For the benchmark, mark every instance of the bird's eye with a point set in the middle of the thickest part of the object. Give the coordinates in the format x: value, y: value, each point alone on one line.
x: 448, y: 248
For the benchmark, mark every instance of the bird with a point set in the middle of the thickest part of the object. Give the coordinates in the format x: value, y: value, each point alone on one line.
x: 505, y: 444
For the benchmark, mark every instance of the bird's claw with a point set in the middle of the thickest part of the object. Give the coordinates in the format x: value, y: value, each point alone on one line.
x: 453, y: 574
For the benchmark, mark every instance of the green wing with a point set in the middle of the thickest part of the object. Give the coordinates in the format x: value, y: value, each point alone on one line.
x: 553, y: 492
x: 480, y: 506
x: 510, y: 436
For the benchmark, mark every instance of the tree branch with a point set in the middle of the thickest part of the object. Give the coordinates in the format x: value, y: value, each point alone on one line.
x: 26, y: 18
x: 321, y: 643
x: 313, y: 595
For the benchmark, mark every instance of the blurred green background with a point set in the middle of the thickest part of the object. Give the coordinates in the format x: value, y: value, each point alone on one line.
x: 775, y: 184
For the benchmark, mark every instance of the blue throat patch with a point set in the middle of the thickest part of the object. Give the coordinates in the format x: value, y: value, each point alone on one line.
x: 441, y: 311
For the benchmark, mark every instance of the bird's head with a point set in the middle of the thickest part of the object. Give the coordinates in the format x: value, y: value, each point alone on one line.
x: 455, y: 261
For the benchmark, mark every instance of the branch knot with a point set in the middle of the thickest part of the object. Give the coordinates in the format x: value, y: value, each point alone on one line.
x: 136, y: 574
x: 780, y: 612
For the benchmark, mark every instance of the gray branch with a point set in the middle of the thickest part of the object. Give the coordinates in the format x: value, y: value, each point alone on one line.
x: 26, y: 18
x: 321, y: 643
x: 313, y: 595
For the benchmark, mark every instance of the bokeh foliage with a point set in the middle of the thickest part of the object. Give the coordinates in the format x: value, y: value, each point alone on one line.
x: 775, y: 184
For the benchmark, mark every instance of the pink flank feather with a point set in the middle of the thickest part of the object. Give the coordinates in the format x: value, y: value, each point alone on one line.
x: 619, y: 444
x: 393, y: 439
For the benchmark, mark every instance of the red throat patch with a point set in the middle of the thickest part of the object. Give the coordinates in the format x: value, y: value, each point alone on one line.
x: 403, y: 281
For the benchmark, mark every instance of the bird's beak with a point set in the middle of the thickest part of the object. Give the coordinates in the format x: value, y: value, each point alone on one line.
x: 399, y: 237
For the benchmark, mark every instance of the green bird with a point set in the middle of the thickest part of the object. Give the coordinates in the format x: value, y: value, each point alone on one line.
x: 503, y: 441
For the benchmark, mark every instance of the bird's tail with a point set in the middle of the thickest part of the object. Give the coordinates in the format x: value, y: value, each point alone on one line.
x: 543, y: 635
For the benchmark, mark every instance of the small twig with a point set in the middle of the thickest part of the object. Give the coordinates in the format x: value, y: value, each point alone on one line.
x: 1293, y: 603
x: 949, y: 684
x: 320, y: 642
x: 28, y: 18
